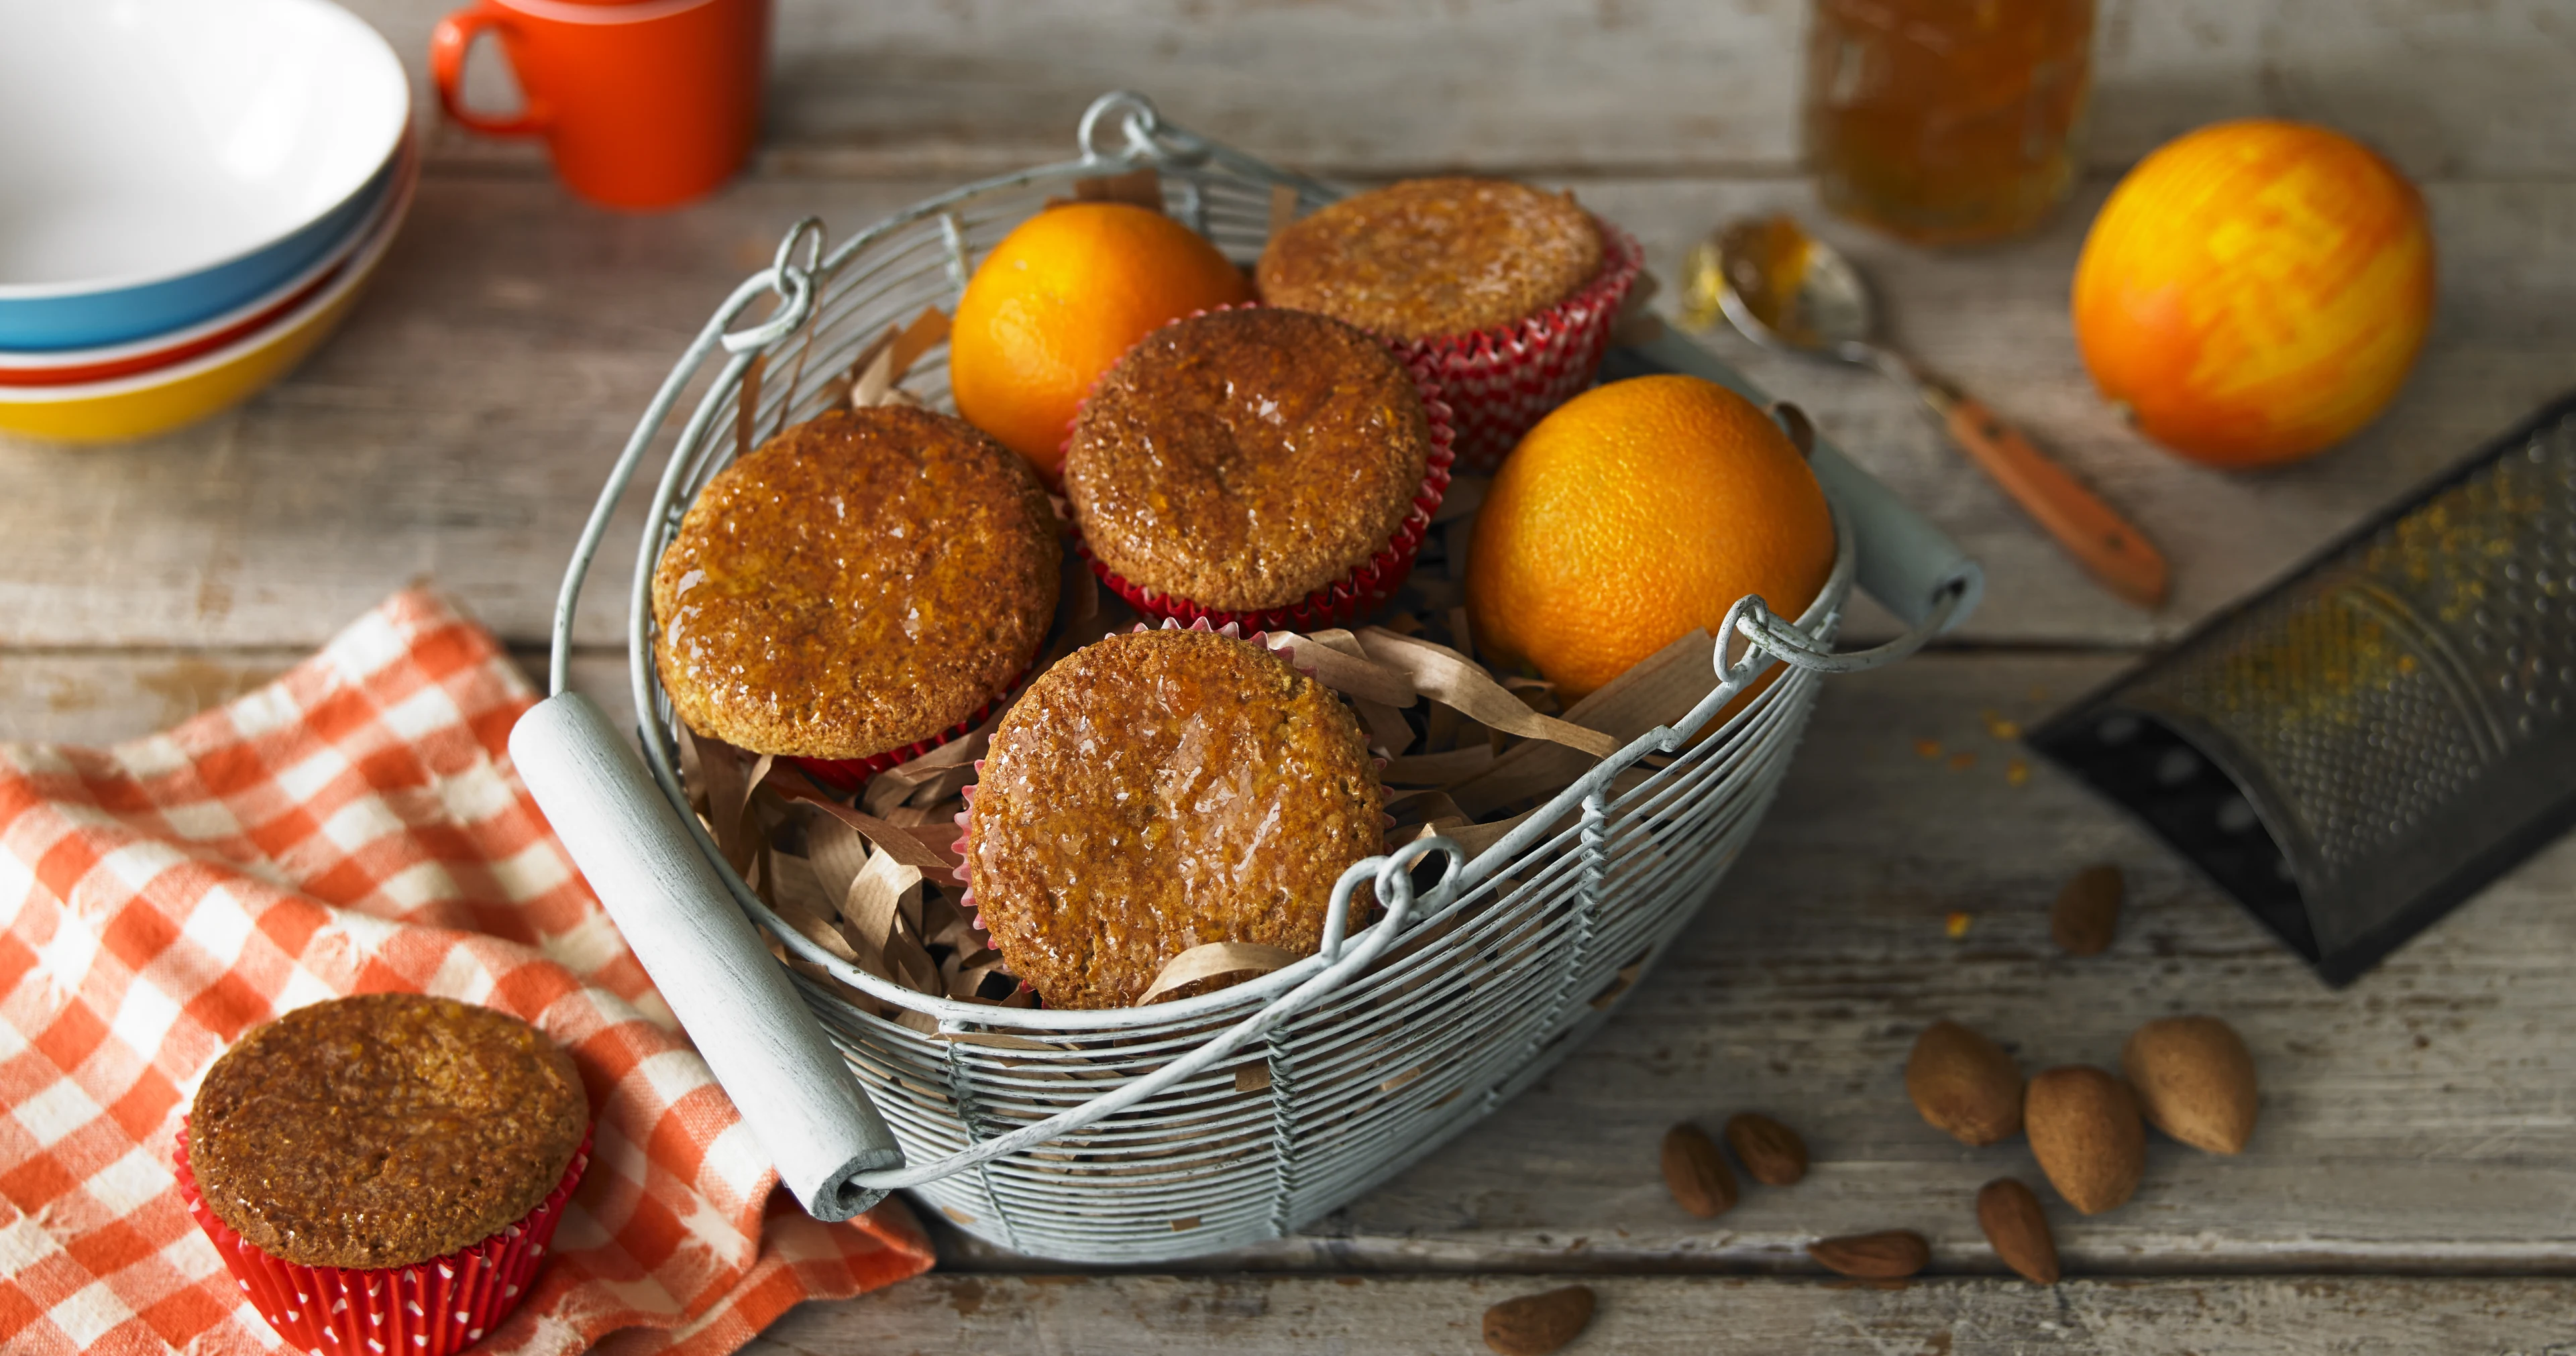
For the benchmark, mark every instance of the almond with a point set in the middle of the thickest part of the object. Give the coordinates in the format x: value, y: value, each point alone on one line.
x: 1886, y: 1256
x: 1771, y: 1153
x: 1697, y: 1172
x: 2087, y: 913
x: 2009, y: 1213
x: 1535, y: 1325
x: 2085, y: 1132
x: 2194, y: 1080
x: 1964, y: 1084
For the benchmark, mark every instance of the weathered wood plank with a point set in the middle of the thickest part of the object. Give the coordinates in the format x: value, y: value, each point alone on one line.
x: 2416, y: 1121
x: 1254, y: 1315
x: 461, y: 425
x: 1404, y: 85
x: 100, y: 697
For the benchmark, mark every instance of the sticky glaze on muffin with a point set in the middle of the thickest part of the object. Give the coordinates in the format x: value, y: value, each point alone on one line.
x: 1156, y: 791
x: 1431, y: 257
x: 383, y: 1130
x: 1245, y: 459
x: 860, y: 582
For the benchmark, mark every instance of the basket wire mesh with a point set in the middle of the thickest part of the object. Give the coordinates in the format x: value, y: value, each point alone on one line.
x: 1137, y: 1135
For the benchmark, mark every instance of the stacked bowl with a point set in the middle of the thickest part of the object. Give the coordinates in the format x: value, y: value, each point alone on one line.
x: 192, y: 194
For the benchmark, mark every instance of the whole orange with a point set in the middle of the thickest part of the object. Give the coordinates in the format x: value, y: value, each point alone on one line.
x: 2255, y: 292
x: 1058, y: 301
x: 1633, y: 515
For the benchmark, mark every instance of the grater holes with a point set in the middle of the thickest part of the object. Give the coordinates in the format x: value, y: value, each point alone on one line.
x: 2176, y: 767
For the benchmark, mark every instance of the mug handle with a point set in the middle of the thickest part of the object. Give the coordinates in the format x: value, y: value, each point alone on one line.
x: 448, y: 45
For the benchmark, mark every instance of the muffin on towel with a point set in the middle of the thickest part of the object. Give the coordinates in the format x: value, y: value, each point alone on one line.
x: 384, y: 1173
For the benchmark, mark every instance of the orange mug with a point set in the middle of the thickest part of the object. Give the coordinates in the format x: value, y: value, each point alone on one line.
x: 643, y: 104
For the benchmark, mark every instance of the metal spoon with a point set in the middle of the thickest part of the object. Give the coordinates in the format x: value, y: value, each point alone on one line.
x: 1788, y: 290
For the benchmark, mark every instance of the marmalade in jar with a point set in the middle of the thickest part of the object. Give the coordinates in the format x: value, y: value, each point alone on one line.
x: 1947, y: 121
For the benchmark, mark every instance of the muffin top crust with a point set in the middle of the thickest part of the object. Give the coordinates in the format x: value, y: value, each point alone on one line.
x: 1159, y: 790
x: 384, y: 1130
x: 1245, y: 459
x: 859, y: 582
x: 1432, y: 257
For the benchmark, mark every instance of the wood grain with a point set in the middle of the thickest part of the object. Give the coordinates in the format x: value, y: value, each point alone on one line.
x: 2416, y: 1121
x: 895, y: 86
x: 1255, y: 1315
x: 100, y: 697
x: 459, y: 428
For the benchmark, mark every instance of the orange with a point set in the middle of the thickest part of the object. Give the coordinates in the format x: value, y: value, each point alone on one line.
x: 2255, y: 291
x: 1058, y: 301
x: 1635, y: 514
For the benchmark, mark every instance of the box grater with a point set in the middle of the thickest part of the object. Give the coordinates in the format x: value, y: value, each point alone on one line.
x: 2360, y: 747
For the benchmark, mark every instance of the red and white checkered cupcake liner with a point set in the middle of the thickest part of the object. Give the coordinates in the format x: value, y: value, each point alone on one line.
x: 1500, y: 382
x: 1368, y: 586
x: 433, y: 1308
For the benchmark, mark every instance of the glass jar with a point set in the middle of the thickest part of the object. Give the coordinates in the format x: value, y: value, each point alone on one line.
x: 1947, y: 122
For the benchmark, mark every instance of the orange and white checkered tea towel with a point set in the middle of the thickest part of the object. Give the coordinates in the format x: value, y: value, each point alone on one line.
x: 354, y: 827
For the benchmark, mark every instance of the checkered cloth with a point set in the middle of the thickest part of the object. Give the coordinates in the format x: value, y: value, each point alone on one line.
x: 353, y: 827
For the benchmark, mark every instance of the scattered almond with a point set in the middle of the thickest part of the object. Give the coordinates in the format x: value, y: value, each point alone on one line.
x: 2194, y: 1080
x: 1697, y: 1172
x: 2085, y: 1132
x: 1964, y: 1084
x: 1771, y: 1153
x: 1534, y: 1325
x: 2087, y: 913
x: 1890, y: 1255
x: 2009, y: 1213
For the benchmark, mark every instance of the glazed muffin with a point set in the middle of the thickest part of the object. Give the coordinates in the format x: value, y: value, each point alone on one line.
x: 862, y: 582
x: 1160, y: 790
x: 1247, y: 460
x: 1431, y: 257
x: 384, y: 1130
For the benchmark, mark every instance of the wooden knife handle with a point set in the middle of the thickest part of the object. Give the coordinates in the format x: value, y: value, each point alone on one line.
x: 2104, y: 543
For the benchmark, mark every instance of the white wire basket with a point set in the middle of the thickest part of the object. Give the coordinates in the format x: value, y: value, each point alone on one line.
x: 1146, y: 1134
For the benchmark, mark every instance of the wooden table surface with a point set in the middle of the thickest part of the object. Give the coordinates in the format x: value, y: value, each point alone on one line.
x: 2412, y: 1184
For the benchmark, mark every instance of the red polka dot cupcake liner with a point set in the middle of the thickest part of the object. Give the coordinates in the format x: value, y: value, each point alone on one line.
x: 432, y: 1308
x: 1500, y: 382
x: 1366, y: 588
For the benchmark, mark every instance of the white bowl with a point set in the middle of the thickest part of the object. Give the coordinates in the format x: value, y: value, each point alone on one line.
x: 165, y: 398
x: 74, y: 366
x: 164, y: 161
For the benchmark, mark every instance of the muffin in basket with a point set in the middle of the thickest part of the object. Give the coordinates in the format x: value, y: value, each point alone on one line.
x: 385, y: 1172
x: 1257, y: 465
x: 1509, y: 291
x: 859, y: 588
x: 1156, y: 791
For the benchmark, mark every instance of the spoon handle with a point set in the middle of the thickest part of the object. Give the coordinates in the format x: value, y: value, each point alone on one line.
x: 2104, y: 543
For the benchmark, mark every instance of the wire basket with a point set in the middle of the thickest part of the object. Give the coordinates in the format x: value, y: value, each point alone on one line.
x: 1145, y: 1134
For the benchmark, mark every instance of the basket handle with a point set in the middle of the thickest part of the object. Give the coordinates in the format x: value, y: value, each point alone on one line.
x: 766, y: 1048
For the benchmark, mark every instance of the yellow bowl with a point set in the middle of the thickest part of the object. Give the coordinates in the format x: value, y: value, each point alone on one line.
x: 156, y: 402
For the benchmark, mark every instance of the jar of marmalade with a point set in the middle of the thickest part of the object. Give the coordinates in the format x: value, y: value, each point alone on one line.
x: 1947, y: 122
